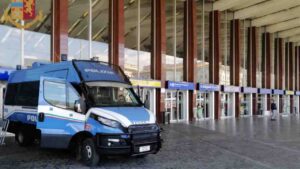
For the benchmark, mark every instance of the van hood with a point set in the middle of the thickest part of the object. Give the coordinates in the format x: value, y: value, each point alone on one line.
x: 126, y: 115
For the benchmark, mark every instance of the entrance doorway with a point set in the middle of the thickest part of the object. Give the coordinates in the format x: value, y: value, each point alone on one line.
x: 175, y: 105
x: 147, y: 96
x: 287, y: 104
x: 296, y: 105
x: 226, y: 104
x: 260, y: 104
x: 204, y: 102
x: 245, y: 104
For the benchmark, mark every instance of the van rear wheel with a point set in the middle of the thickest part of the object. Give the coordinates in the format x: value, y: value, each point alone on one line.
x: 23, y: 138
x: 89, y: 153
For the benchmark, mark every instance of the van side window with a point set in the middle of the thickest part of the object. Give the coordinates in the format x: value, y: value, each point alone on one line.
x: 72, y: 96
x: 60, y: 94
x: 28, y: 94
x: 10, y: 94
x: 22, y: 94
x: 55, y: 93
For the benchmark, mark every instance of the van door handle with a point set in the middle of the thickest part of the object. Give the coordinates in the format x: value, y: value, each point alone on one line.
x: 41, y: 117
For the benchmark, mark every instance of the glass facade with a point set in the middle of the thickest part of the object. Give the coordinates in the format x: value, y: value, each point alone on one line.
x: 138, y: 38
x: 78, y: 22
x: 88, y: 27
x: 175, y: 39
x: 25, y: 46
x: 203, y: 10
x: 225, y: 59
x: 260, y: 52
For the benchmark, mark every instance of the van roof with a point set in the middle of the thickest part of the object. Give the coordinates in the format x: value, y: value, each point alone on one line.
x: 74, y: 71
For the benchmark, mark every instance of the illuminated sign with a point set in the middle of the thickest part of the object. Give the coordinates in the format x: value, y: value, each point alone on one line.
x: 208, y: 87
x: 264, y: 91
x: 231, y: 89
x: 289, y: 92
x: 278, y: 92
x: 180, y: 85
x: 249, y: 90
x: 146, y: 83
x: 23, y: 10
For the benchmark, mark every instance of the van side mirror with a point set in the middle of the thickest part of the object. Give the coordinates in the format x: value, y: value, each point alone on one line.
x: 79, y: 106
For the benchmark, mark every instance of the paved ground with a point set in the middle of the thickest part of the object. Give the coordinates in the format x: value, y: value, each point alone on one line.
x: 246, y: 143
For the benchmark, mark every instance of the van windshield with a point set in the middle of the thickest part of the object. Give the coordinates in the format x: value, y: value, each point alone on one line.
x: 113, y: 95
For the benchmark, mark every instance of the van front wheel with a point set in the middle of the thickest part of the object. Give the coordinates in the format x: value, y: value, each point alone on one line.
x: 89, y: 153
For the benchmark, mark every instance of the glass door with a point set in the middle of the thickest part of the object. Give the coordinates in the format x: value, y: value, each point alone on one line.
x: 296, y: 105
x: 244, y: 105
x: 260, y: 105
x: 202, y: 111
x: 174, y: 104
x: 147, y: 96
x: 286, y: 105
x: 226, y: 105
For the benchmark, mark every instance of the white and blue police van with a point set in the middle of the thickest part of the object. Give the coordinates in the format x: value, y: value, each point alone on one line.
x: 87, y: 106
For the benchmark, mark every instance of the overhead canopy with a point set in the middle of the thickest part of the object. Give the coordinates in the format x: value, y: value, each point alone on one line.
x: 277, y: 16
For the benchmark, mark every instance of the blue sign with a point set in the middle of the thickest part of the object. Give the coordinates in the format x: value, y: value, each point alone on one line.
x: 4, y: 73
x: 180, y: 85
x: 208, y: 87
x: 249, y: 90
x: 264, y: 91
x: 297, y: 93
x: 278, y: 92
x: 231, y: 89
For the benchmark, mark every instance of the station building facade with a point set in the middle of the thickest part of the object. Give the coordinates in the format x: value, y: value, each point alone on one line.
x: 185, y: 57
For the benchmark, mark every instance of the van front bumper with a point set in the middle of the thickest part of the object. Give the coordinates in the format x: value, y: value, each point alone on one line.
x: 130, y: 143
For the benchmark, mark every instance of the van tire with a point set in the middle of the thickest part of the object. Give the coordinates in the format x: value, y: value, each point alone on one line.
x: 23, y: 138
x: 89, y: 154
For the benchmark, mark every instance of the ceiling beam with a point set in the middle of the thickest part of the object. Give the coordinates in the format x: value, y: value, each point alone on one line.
x: 277, y: 17
x: 222, y: 5
x: 284, y: 25
x: 294, y: 38
x: 247, y: 4
x: 290, y: 32
x: 265, y: 8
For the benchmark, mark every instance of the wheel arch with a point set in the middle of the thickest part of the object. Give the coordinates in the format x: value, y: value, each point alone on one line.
x: 79, y: 137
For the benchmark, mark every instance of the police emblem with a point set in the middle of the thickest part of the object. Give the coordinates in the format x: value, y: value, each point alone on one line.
x: 23, y: 10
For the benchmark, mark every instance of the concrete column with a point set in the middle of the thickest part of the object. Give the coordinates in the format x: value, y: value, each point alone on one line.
x: 116, y: 32
x: 214, y: 55
x: 158, y: 55
x: 252, y: 58
x: 235, y: 60
x: 59, y: 38
x: 190, y: 50
x: 291, y: 74
x: 266, y: 67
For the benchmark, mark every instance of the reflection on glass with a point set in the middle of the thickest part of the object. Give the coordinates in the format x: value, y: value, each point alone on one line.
x: 78, y: 21
x: 138, y: 38
x: 175, y: 40
x: 10, y: 46
x: 37, y: 43
x: 100, y: 29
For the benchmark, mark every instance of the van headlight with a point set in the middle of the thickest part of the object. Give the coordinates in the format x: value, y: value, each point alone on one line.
x: 109, y: 122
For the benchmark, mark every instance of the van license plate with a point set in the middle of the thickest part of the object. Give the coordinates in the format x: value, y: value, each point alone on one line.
x: 144, y: 149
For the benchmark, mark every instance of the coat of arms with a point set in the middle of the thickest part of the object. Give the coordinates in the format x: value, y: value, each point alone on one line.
x: 23, y: 10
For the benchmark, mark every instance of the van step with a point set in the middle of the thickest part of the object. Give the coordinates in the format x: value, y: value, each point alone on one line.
x: 3, y: 131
